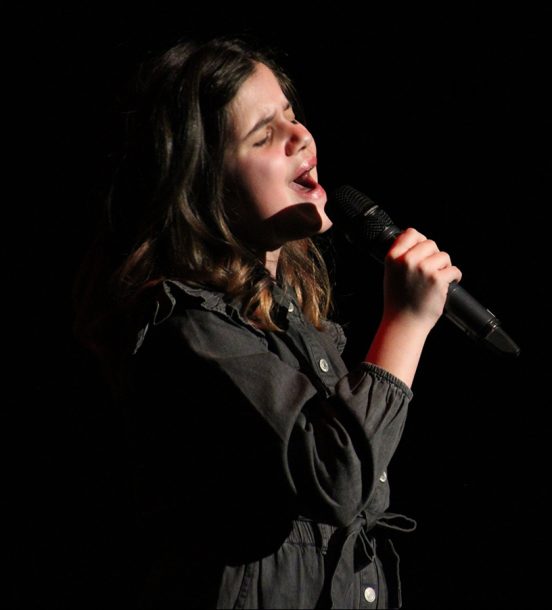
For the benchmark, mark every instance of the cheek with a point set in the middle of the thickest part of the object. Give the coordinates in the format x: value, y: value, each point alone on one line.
x: 262, y: 182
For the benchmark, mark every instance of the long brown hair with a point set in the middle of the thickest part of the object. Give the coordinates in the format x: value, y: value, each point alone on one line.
x: 166, y: 215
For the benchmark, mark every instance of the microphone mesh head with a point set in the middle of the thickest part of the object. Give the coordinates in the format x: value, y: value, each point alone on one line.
x: 356, y: 210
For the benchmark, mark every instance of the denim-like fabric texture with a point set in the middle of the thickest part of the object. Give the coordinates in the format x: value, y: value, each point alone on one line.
x: 260, y: 461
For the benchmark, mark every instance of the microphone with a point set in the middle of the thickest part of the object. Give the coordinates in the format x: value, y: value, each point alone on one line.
x: 370, y: 229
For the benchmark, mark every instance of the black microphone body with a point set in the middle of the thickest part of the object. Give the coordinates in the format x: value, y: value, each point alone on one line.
x: 370, y: 228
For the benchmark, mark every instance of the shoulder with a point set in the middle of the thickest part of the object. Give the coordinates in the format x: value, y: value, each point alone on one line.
x: 196, y: 315
x: 173, y: 296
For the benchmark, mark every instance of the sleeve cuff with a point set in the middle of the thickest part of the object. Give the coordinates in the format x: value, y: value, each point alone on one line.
x: 385, y: 375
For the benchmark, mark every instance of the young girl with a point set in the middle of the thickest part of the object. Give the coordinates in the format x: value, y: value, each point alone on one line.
x: 260, y: 461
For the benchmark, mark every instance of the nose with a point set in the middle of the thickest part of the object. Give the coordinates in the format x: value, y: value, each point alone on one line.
x: 299, y: 138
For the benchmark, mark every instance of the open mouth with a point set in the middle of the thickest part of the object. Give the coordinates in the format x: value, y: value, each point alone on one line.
x: 305, y: 182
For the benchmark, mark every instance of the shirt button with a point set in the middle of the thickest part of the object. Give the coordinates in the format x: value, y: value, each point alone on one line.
x: 383, y: 477
x: 323, y: 363
x: 291, y: 308
x: 370, y: 595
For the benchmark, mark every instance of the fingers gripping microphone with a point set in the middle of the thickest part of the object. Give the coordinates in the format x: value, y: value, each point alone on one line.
x: 369, y: 228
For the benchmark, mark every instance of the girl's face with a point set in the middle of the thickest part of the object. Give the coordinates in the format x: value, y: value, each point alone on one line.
x: 272, y: 162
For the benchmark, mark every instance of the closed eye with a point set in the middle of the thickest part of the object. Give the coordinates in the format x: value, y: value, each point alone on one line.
x: 269, y: 130
x: 265, y: 140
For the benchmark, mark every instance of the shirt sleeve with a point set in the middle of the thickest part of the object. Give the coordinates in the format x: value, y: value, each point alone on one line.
x: 348, y: 443
x: 330, y: 451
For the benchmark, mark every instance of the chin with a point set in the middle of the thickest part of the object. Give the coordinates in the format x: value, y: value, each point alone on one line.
x: 326, y: 223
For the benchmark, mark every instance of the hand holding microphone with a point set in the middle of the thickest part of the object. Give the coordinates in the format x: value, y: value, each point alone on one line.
x: 370, y: 228
x: 417, y: 278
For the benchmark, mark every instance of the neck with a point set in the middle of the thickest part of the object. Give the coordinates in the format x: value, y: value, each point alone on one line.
x: 271, y: 261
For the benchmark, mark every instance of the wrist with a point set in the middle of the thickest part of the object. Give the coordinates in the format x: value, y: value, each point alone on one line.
x: 408, y: 323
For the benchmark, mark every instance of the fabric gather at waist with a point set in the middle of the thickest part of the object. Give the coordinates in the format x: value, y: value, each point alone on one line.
x: 306, y: 532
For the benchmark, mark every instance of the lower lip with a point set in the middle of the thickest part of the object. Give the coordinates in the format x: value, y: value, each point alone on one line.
x: 316, y: 193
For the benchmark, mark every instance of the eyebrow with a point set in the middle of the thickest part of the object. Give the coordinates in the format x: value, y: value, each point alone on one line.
x: 265, y: 121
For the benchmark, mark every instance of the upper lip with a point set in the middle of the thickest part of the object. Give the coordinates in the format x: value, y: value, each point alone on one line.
x: 306, y: 166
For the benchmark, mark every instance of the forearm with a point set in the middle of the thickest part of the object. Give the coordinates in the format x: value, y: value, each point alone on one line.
x: 397, y: 347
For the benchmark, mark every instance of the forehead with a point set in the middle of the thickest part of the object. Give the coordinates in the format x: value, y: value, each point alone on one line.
x: 260, y: 94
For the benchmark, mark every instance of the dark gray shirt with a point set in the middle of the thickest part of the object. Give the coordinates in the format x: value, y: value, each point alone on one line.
x: 261, y: 461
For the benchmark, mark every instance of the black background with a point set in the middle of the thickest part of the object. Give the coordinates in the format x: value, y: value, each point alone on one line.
x: 443, y: 118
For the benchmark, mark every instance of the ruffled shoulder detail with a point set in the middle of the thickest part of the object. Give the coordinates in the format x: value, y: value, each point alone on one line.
x: 168, y: 295
x: 337, y: 333
x: 171, y: 294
